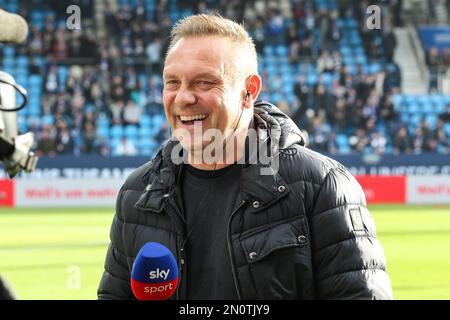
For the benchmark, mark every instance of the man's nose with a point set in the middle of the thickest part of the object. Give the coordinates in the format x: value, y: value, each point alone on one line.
x: 185, y: 96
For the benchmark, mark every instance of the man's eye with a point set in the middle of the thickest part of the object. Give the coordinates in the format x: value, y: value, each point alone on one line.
x: 171, y: 82
x: 205, y: 83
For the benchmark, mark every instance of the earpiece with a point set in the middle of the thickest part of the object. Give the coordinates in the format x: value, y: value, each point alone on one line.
x: 246, y: 96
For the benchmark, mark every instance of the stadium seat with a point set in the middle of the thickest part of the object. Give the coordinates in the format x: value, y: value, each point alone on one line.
x: 145, y: 131
x: 8, y: 51
x: 158, y: 120
x: 22, y: 124
x: 281, y: 50
x: 103, y: 120
x: 102, y: 131
x: 312, y: 79
x: 48, y: 119
x: 22, y: 61
x: 34, y: 112
x: 432, y: 120
x: 131, y: 132
x: 146, y: 145
x: 447, y: 128
x: 268, y: 50
x: 8, y: 62
x: 145, y: 121
x: 35, y: 80
x: 116, y: 132
x: 397, y: 101
x: 114, y: 143
x: 415, y: 120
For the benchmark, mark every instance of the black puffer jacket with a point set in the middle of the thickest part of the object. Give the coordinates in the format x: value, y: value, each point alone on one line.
x: 302, y: 233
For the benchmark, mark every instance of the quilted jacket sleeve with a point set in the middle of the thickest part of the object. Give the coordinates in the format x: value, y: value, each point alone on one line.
x: 348, y: 259
x: 115, y: 282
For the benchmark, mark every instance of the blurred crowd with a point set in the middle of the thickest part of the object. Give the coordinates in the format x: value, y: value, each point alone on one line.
x: 116, y: 79
x: 438, y: 61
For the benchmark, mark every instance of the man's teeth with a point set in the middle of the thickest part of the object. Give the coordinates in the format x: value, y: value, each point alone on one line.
x: 192, y: 118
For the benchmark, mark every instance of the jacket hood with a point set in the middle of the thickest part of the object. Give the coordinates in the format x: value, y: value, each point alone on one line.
x: 278, y: 123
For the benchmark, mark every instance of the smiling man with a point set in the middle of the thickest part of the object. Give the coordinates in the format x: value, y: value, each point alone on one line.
x: 297, y: 230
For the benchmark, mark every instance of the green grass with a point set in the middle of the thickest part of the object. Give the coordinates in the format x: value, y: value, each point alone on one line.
x: 54, y: 253
x: 59, y: 253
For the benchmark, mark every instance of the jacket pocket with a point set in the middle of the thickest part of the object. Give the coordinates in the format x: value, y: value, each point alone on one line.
x: 279, y: 259
x: 261, y: 242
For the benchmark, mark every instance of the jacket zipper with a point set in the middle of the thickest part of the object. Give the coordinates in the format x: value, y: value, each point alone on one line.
x: 181, y: 263
x: 180, y: 250
x: 233, y: 269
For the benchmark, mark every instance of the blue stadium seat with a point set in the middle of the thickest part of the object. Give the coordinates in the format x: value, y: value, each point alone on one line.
x: 264, y: 96
x: 157, y: 121
x: 341, y: 139
x: 22, y: 80
x: 145, y: 131
x: 131, y: 132
x: 48, y: 119
x: 8, y: 62
x: 102, y: 131
x: 145, y: 120
x: 35, y: 80
x: 9, y: 70
x: 116, y: 131
x: 397, y: 100
x: 438, y: 100
x: 114, y: 143
x: 327, y: 78
x: 312, y: 79
x: 432, y: 120
x: 103, y: 120
x: 146, y: 146
x: 345, y: 50
x: 8, y: 52
x: 425, y: 100
x: 23, y: 112
x: 345, y: 149
x: 409, y: 99
x: 374, y: 68
x: 22, y: 71
x: 281, y: 50
x: 404, y: 117
x: 12, y: 7
x: 22, y: 61
x: 414, y: 108
x: 34, y: 112
x: 447, y: 128
x: 22, y: 124
x: 351, y: 23
x: 269, y: 50
x: 415, y: 120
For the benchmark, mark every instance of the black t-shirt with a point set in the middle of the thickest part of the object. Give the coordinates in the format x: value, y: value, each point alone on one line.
x: 208, y: 201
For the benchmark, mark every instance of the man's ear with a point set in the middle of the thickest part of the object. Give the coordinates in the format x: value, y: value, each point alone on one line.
x: 253, y: 89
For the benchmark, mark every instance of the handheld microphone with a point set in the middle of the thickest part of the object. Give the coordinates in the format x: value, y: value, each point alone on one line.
x: 155, y: 273
x: 13, y: 28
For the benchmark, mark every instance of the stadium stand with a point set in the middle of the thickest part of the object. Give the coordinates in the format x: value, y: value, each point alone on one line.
x: 98, y: 90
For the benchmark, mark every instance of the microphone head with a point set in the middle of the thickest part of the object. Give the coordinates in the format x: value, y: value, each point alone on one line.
x: 155, y: 273
x: 13, y: 28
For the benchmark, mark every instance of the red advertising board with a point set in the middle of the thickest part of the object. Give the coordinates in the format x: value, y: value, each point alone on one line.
x: 383, y: 189
x: 6, y: 193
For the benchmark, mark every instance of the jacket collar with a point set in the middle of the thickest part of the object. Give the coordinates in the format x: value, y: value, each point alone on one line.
x: 261, y: 190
